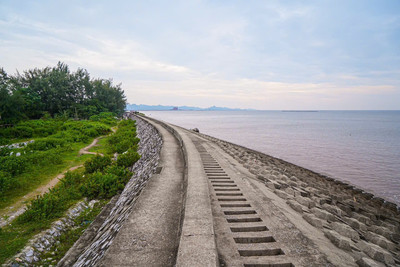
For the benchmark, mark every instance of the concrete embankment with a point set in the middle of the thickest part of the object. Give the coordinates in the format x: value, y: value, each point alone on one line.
x: 213, y: 203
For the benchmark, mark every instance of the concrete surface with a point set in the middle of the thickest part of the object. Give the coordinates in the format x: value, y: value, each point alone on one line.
x: 150, y: 235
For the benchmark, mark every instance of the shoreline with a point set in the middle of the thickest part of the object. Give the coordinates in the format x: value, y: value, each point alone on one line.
x: 348, y: 147
x: 368, y: 193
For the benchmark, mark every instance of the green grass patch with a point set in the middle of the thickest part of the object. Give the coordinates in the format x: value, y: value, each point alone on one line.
x: 55, y: 150
x: 101, y: 178
x: 68, y: 238
x: 37, y: 177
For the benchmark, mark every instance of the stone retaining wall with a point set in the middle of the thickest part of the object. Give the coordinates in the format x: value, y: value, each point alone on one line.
x: 149, y: 148
x: 365, y: 226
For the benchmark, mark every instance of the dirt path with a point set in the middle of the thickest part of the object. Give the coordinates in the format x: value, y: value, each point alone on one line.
x: 19, y: 207
x: 85, y: 150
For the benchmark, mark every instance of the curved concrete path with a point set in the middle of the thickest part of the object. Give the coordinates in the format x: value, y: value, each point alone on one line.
x: 150, y: 236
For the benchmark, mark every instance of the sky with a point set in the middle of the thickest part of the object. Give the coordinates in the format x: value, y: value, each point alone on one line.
x: 266, y: 55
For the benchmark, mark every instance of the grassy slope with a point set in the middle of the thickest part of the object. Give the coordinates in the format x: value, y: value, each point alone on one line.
x: 38, y: 177
x: 15, y: 236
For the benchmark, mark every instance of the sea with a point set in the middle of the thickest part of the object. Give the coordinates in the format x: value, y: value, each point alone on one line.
x: 359, y: 147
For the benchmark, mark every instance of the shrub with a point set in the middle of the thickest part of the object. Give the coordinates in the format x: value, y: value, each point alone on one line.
x: 53, y: 203
x: 46, y: 144
x: 128, y: 159
x: 49, y: 205
x: 123, y: 173
x: 97, y: 164
x: 5, y: 151
x: 3, y: 140
x: 101, y: 185
x: 6, y: 181
x: 42, y: 158
x: 124, y: 138
x: 13, y: 165
x: 23, y: 131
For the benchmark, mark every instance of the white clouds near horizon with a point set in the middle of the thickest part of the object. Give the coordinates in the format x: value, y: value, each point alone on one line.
x: 264, y: 55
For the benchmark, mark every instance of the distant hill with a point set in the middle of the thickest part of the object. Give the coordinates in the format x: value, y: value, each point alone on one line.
x: 141, y: 107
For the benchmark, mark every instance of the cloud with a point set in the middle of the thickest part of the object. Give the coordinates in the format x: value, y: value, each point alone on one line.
x: 274, y: 54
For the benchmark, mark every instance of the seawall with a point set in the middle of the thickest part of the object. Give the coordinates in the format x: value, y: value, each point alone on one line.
x: 255, y: 210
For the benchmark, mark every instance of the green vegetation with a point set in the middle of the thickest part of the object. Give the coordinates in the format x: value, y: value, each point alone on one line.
x: 56, y: 92
x: 55, y: 148
x: 101, y: 178
x: 68, y: 238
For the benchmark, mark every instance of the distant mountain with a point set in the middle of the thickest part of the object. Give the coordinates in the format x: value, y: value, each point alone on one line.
x: 141, y: 107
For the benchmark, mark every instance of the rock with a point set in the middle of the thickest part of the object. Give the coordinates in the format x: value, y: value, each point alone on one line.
x: 345, y: 230
x: 355, y: 224
x: 332, y: 209
x: 281, y: 194
x: 322, y: 214
x: 314, y: 221
x: 380, y: 231
x: 338, y: 240
x: 289, y: 191
x: 305, y: 201
x: 270, y: 185
x: 294, y: 205
x: 361, y: 218
x: 195, y: 130
x: 375, y: 252
x: 380, y: 241
x: 29, y: 253
x: 28, y: 259
x: 367, y: 262
x: 262, y: 178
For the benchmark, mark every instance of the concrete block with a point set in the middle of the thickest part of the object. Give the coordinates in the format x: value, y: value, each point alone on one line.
x: 314, y: 221
x: 281, y: 194
x: 345, y: 230
x: 375, y: 252
x: 294, y: 205
x: 338, y: 240
x: 322, y: 214
x: 367, y: 262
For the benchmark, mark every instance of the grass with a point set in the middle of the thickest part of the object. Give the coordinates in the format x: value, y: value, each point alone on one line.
x: 68, y: 238
x: 36, y: 177
x: 99, y: 183
x: 101, y: 146
x: 14, y: 237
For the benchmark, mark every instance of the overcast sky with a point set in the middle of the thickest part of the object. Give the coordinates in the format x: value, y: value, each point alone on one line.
x: 247, y: 54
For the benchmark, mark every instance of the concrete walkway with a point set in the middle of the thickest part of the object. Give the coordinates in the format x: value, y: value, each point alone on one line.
x: 150, y: 236
x: 233, y: 215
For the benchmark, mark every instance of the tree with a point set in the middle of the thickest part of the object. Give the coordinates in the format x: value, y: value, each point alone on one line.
x: 55, y: 91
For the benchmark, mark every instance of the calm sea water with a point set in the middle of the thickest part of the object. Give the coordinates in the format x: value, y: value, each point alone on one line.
x: 360, y: 147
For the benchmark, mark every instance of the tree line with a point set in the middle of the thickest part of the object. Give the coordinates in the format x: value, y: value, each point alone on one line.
x: 56, y: 91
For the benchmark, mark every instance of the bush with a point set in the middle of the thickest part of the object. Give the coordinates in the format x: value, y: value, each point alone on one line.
x: 49, y: 205
x: 124, y: 138
x: 101, y: 185
x: 23, y: 132
x: 3, y: 140
x: 13, y: 165
x: 5, y: 151
x: 46, y: 144
x: 128, y: 159
x: 123, y: 173
x: 56, y: 201
x: 6, y: 181
x: 42, y: 158
x: 97, y: 164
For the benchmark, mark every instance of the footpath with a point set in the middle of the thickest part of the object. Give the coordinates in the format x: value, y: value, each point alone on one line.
x: 213, y: 203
